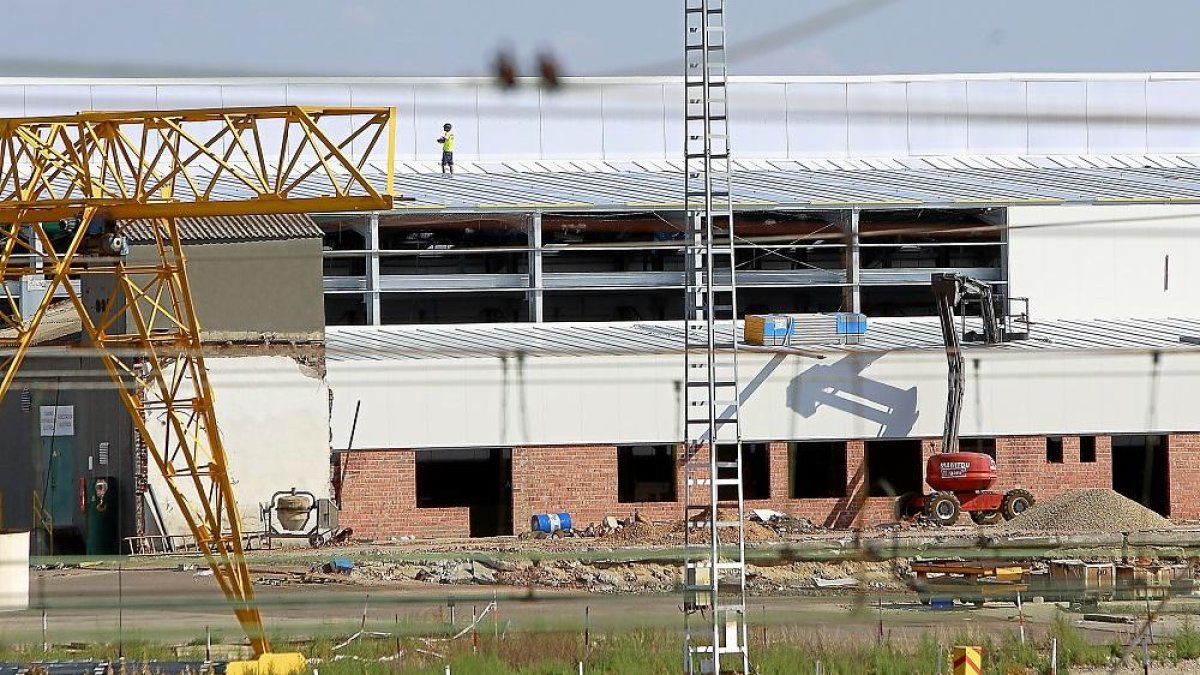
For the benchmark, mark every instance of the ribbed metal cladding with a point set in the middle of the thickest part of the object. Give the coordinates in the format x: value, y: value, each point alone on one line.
x: 225, y: 229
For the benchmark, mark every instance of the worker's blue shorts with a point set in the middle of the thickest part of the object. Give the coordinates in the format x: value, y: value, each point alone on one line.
x: 447, y: 158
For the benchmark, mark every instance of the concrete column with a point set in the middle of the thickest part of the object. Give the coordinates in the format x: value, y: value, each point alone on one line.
x: 372, y: 295
x: 534, y: 295
x: 852, y: 293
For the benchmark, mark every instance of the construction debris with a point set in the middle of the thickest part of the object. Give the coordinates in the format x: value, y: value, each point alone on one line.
x: 1092, y: 510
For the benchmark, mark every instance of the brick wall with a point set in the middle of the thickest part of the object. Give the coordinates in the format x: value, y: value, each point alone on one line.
x: 1183, y: 466
x: 379, y: 498
x: 379, y: 491
x: 1022, y: 463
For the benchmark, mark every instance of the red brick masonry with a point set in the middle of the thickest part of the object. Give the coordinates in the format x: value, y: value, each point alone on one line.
x: 378, y: 491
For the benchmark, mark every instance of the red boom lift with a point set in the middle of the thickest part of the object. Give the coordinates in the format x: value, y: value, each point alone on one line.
x: 961, y: 480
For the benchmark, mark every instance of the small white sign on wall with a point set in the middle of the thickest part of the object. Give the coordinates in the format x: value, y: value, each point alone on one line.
x: 57, y: 420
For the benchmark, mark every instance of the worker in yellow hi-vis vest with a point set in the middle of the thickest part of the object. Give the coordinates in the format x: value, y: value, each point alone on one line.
x: 447, y: 141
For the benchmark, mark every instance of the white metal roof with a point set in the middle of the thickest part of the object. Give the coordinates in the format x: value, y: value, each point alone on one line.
x: 812, y: 184
x: 579, y: 339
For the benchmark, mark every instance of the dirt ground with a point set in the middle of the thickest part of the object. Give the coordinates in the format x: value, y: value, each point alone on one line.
x: 177, y: 604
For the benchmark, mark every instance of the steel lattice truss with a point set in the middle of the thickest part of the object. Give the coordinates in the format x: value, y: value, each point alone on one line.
x: 183, y: 163
x: 65, y: 185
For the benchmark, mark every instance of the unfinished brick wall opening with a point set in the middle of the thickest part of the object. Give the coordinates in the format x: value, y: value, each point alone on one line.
x: 645, y: 473
x: 1139, y: 471
x: 986, y: 446
x: 478, y: 478
x: 817, y: 469
x: 756, y: 471
x: 1087, y: 449
x: 1054, y: 449
x: 894, y: 467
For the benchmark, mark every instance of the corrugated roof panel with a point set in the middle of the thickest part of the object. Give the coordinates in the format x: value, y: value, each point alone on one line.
x: 885, y: 334
x: 524, y: 186
x: 218, y: 229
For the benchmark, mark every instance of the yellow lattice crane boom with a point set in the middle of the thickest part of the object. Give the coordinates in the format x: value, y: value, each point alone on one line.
x: 66, y: 186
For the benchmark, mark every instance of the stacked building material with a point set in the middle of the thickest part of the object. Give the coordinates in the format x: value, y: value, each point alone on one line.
x: 778, y: 330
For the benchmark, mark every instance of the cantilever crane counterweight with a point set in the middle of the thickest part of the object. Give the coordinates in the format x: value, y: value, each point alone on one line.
x: 66, y: 185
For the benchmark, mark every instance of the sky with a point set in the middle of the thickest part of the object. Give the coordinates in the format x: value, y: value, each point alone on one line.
x: 139, y: 38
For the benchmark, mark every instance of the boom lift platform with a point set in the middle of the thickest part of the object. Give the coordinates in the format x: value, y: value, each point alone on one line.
x: 961, y: 480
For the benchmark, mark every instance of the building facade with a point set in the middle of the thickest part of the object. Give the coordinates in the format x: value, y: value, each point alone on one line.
x: 502, y: 340
x: 586, y: 418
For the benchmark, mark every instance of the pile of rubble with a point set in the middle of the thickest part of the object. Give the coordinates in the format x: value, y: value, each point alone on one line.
x: 623, y: 576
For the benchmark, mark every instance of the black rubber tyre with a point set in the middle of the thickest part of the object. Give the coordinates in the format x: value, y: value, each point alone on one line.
x: 1015, y: 503
x: 903, y: 508
x: 942, y: 508
x: 986, y: 517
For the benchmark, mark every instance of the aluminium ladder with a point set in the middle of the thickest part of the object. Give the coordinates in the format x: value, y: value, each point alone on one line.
x: 715, y: 542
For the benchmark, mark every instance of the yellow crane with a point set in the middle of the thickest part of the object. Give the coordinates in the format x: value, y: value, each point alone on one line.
x: 67, y: 183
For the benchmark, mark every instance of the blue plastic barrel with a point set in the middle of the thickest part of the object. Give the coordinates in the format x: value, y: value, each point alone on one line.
x: 550, y: 522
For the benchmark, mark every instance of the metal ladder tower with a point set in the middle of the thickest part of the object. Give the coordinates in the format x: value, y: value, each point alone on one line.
x: 715, y: 541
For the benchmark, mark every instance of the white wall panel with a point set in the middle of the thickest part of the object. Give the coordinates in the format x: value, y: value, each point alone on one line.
x: 996, y: 121
x: 641, y: 119
x: 937, y: 117
x: 758, y: 119
x: 275, y: 424
x: 122, y: 97
x: 509, y: 124
x: 1106, y: 261
x: 182, y: 97
x: 12, y: 101
x: 242, y: 96
x: 436, y: 105
x: 673, y: 117
x: 333, y: 95
x: 878, y: 114
x: 1173, y: 116
x: 1116, y: 113
x: 129, y: 97
x: 633, y: 121
x: 604, y: 399
x: 817, y: 122
x: 571, y: 124
x: 57, y: 99
x: 1057, y: 117
x: 401, y: 97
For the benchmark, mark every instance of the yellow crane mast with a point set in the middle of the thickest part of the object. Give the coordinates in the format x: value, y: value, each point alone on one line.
x: 67, y: 184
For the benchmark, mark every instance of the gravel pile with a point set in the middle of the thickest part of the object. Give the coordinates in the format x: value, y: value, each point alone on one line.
x: 1095, y: 510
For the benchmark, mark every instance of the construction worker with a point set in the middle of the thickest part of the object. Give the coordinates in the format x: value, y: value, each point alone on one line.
x: 447, y: 141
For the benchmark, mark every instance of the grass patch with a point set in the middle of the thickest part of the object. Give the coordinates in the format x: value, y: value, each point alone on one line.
x: 789, y: 650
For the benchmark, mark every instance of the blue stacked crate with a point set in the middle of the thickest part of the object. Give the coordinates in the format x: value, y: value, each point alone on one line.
x: 851, y: 327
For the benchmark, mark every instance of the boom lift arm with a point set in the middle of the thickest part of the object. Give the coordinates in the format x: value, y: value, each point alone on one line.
x: 948, y: 290
x: 67, y: 182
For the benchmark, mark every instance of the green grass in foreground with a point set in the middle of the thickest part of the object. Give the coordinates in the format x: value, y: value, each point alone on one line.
x: 789, y: 652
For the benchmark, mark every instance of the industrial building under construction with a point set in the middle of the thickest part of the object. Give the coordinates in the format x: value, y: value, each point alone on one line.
x: 508, y: 341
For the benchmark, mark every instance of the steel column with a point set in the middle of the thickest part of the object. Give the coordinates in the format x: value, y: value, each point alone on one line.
x: 852, y: 292
x: 372, y: 296
x: 534, y: 295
